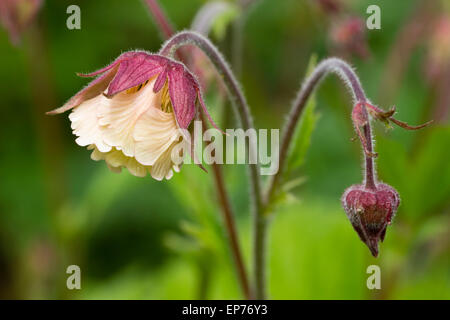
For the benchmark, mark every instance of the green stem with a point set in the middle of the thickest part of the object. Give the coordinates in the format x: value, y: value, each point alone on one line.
x: 350, y: 79
x: 243, y: 112
x: 165, y: 26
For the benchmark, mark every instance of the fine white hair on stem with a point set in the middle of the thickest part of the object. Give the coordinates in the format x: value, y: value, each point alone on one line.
x: 241, y: 108
x: 346, y: 73
x: 235, y: 91
x: 364, y: 165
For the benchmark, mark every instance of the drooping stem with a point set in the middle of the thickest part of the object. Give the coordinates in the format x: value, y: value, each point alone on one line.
x: 348, y: 76
x: 228, y: 214
x: 243, y: 113
x: 234, y: 91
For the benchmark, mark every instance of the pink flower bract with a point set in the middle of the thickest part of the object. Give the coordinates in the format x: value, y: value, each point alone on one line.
x: 133, y: 68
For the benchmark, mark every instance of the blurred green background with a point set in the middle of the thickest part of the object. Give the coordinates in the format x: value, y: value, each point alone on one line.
x: 137, y: 238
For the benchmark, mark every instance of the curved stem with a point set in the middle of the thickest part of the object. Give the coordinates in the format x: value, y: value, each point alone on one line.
x: 348, y: 76
x: 167, y: 29
x: 242, y: 111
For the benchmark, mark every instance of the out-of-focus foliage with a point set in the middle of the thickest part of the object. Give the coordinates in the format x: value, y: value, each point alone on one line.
x: 304, y: 130
x: 139, y: 238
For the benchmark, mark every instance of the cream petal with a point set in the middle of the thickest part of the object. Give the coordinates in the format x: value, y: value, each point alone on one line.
x: 96, y: 154
x: 164, y: 165
x: 129, y: 131
x: 85, y: 124
x: 169, y: 175
x: 114, y: 169
x: 120, y: 114
x: 137, y: 169
x: 154, y: 133
x: 116, y: 160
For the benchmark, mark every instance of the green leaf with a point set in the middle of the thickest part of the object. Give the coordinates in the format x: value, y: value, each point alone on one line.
x: 303, y: 132
x: 204, y: 226
x: 298, y: 148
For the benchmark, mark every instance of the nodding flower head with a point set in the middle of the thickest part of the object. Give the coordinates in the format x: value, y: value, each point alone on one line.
x: 371, y: 207
x: 130, y: 115
x: 370, y: 211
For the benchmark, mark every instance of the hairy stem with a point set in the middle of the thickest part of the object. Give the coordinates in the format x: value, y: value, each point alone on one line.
x: 242, y: 111
x: 230, y: 224
x: 348, y: 76
x: 227, y: 211
x: 231, y: 227
x: 370, y: 169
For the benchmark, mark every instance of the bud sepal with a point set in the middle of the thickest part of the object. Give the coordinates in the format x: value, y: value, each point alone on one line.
x: 370, y: 211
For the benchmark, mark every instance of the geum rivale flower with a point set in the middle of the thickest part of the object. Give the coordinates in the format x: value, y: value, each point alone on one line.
x: 130, y: 115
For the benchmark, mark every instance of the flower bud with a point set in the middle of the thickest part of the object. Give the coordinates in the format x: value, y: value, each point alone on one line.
x: 370, y: 211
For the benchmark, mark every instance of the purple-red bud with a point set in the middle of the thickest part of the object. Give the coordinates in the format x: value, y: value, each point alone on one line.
x: 370, y: 211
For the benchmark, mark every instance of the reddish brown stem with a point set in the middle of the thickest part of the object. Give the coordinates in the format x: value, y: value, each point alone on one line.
x: 346, y: 73
x: 230, y: 225
x: 167, y: 30
x: 370, y: 170
x: 406, y: 126
x: 161, y: 19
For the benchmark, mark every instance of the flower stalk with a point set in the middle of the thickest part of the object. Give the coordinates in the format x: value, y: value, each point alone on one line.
x: 108, y: 117
x: 242, y: 111
x: 370, y: 207
x: 360, y: 115
x: 228, y: 214
x: 348, y: 76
